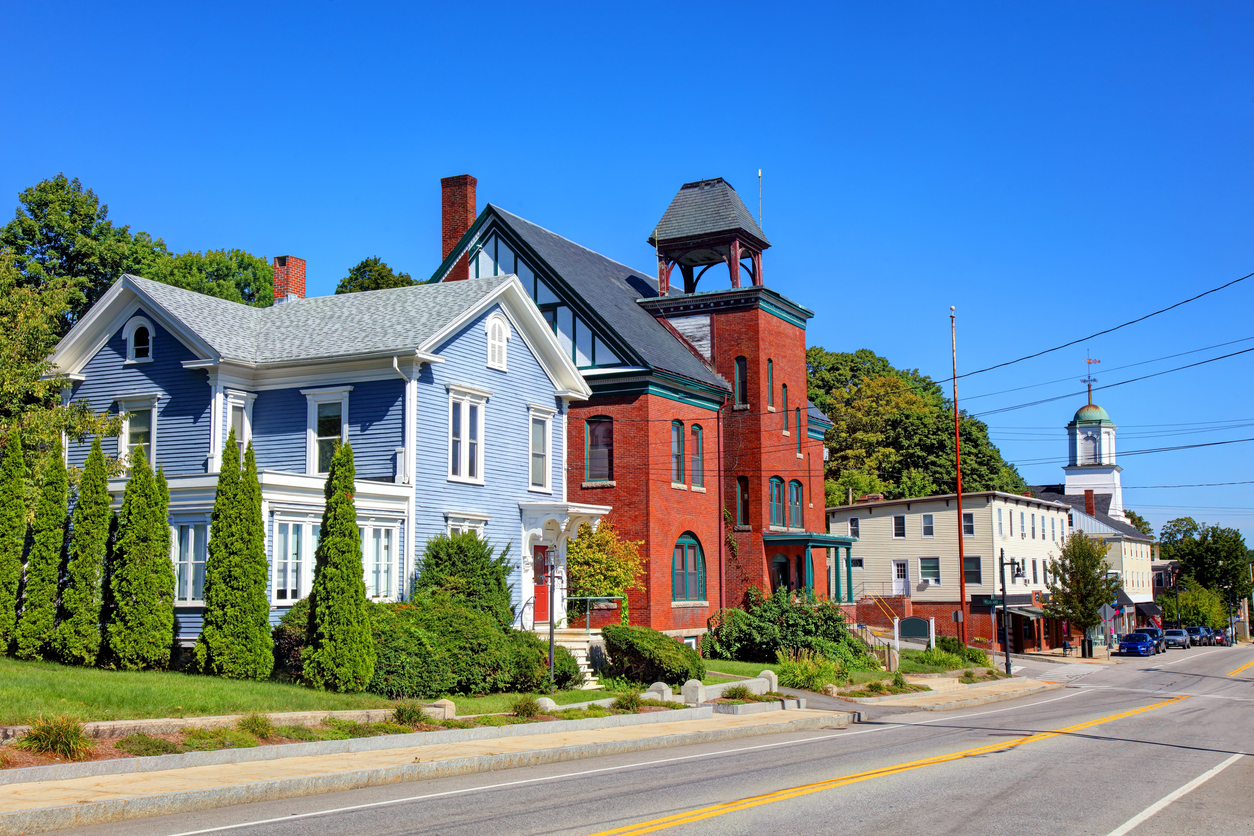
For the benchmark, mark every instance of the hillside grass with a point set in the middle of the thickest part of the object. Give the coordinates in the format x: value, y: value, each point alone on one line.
x: 750, y: 669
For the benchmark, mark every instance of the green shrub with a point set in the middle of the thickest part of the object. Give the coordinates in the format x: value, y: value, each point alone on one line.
x: 644, y: 655
x: 808, y: 670
x: 479, y: 655
x: 566, y: 672
x: 208, y: 740
x: 526, y: 706
x: 12, y: 534
x: 736, y: 692
x: 258, y: 725
x: 36, y: 624
x: 410, y: 663
x: 307, y: 734
x: 876, y: 687
x: 464, y: 566
x: 143, y: 746
x: 949, y: 644
x: 627, y: 701
x: 936, y: 656
x: 235, y: 640
x: 409, y: 714
x: 899, y: 680
x: 60, y: 736
x: 341, y: 652
x: 976, y: 657
x: 529, y: 662
x: 351, y: 728
x: 967, y: 677
x: 77, y: 636
x: 783, y: 620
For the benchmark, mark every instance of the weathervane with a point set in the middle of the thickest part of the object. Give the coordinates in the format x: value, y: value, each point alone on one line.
x: 1090, y: 380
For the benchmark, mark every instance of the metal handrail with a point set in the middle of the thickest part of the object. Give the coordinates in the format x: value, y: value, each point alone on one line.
x: 522, y: 611
x: 588, y: 611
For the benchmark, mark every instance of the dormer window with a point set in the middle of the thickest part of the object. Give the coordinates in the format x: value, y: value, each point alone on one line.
x: 498, y: 339
x: 138, y: 334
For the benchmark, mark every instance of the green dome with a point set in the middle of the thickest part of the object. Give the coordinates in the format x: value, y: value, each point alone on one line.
x: 1091, y: 413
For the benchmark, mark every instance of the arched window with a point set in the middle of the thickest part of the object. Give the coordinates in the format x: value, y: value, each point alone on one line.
x: 794, y: 505
x: 783, y: 395
x: 138, y: 334
x: 697, y: 468
x: 1088, y: 450
x: 498, y: 337
x: 779, y: 573
x: 770, y: 383
x: 688, y: 569
x: 600, y: 450
x: 677, y: 452
x: 742, y: 381
x: 777, y: 501
x: 742, y: 500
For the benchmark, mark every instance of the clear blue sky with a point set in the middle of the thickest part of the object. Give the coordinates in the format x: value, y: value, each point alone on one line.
x: 1051, y: 170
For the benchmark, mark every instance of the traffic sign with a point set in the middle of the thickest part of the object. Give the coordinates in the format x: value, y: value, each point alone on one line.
x: 1108, y: 612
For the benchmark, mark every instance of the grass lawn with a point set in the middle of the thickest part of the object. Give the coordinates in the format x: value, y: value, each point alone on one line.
x: 739, y: 668
x: 28, y: 689
x: 858, y: 677
x: 910, y: 663
x: 500, y: 703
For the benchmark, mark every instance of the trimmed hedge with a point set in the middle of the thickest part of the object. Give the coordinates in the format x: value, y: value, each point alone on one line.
x: 465, y: 566
x: 481, y: 657
x: 640, y: 654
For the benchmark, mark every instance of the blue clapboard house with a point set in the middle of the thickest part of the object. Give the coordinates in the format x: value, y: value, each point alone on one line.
x: 453, y: 396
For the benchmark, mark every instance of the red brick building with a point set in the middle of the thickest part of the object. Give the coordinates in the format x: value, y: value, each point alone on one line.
x: 699, y: 434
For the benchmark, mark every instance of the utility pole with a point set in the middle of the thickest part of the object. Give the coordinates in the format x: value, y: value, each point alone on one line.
x: 962, y: 563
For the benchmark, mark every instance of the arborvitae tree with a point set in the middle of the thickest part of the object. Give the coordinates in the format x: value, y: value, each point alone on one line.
x: 12, y: 535
x: 78, y: 629
x: 464, y: 565
x: 141, y: 577
x: 235, y: 640
x: 37, y: 620
x: 341, y: 651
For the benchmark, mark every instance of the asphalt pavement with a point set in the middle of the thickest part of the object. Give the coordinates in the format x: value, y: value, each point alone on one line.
x: 1149, y: 746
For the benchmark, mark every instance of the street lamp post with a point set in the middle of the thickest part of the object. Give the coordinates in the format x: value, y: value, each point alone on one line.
x: 1005, y: 612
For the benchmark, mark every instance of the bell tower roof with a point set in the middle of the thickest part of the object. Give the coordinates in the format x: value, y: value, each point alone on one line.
x: 1091, y: 413
x: 707, y: 209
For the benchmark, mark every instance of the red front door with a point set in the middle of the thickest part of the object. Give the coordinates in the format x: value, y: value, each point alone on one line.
x: 540, y: 572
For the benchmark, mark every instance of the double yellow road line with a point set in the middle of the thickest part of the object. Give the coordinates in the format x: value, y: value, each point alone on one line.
x: 716, y: 810
x: 1243, y: 667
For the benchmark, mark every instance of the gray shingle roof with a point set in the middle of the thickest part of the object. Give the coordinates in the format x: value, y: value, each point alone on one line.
x: 703, y: 208
x: 611, y: 290
x: 331, y: 327
x: 1101, y: 505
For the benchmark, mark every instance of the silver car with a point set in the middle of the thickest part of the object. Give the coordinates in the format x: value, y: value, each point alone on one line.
x: 1178, y: 638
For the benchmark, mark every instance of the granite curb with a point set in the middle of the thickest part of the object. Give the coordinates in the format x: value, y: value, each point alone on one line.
x: 984, y: 700
x: 47, y: 819
x: 158, y: 763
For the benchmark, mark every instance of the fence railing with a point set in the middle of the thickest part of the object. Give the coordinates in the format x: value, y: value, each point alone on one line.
x: 588, y: 607
x: 884, y: 589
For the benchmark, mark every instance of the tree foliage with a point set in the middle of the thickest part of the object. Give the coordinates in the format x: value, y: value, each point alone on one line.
x: 465, y: 566
x: 235, y: 640
x: 1079, y: 585
x: 228, y: 274
x: 893, y: 431
x: 341, y: 652
x: 78, y: 627
x: 13, y: 522
x: 602, y: 563
x: 36, y: 622
x: 1217, y: 558
x: 140, y: 632
x: 1199, y: 606
x: 372, y: 274
x: 1139, y: 523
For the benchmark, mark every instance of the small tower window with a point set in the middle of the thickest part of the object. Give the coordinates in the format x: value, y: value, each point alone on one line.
x: 783, y: 394
x: 770, y: 383
x: 742, y: 381
x: 138, y: 334
x: 498, y: 339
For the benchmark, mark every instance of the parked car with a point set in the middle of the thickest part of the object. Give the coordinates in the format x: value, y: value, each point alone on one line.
x: 1196, y: 636
x: 1138, y: 644
x: 1156, y: 633
x: 1221, y: 638
x: 1210, y: 636
x: 1178, y: 638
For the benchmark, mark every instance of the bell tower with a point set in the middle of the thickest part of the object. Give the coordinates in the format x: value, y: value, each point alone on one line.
x: 707, y: 224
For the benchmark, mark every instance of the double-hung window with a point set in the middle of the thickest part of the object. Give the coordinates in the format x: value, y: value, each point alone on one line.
x: 742, y: 381
x: 1034, y: 527
x: 783, y: 398
x: 1035, y: 579
x: 972, y: 570
x: 794, y: 505
x: 600, y: 454
x: 327, y: 426
x: 854, y: 527
x: 540, y: 436
x: 697, y: 453
x: 189, y: 541
x: 770, y: 384
x: 798, y: 415
x: 968, y: 525
x: 742, y: 500
x: 929, y: 570
x: 899, y: 527
x: 378, y: 557
x: 1001, y: 529
x: 293, y: 561
x: 929, y: 525
x: 239, y: 413
x: 677, y: 452
x: 139, y: 428
x: 777, y: 502
x: 1023, y: 526
x: 466, y: 408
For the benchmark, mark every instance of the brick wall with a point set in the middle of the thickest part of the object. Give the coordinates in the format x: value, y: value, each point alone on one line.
x: 458, y: 210
x: 289, y: 276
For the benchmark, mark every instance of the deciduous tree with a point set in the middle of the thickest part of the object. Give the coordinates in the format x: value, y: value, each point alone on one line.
x: 600, y: 563
x: 372, y: 274
x: 1079, y: 584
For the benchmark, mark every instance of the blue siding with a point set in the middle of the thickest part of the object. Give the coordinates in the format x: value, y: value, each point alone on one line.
x: 279, y: 420
x: 182, y: 413
x: 506, y: 450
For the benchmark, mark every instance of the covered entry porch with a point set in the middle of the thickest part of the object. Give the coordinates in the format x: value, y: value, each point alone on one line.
x: 546, y: 528
x: 838, y: 589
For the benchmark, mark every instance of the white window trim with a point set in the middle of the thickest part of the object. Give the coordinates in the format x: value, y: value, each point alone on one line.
x: 128, y: 332
x: 174, y: 524
x: 367, y: 525
x: 545, y: 414
x: 457, y: 521
x: 461, y: 397
x: 930, y: 582
x: 234, y: 398
x: 923, y: 526
x: 313, y: 397
x: 309, y: 522
x: 963, y: 523
x: 488, y: 323
x: 130, y: 403
x: 894, y: 519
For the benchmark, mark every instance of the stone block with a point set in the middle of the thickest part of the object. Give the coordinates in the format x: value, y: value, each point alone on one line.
x: 546, y: 705
x: 441, y: 709
x: 693, y: 692
x: 771, y: 679
x: 661, y: 690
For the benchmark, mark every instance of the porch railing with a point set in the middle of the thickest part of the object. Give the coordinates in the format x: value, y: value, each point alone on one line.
x: 588, y: 608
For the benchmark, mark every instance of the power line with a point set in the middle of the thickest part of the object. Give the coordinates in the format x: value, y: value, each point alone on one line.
x: 1109, y: 330
x: 1197, y: 485
x: 1151, y: 450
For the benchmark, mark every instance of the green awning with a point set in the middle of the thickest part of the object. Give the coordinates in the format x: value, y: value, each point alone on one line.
x: 812, y: 539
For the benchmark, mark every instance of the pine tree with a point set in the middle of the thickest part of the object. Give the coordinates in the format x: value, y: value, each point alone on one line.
x: 235, y: 641
x: 341, y: 652
x: 12, y: 535
x: 37, y: 620
x: 141, y: 577
x: 78, y: 629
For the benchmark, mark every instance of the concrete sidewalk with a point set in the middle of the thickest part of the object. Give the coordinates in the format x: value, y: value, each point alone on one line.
x: 55, y: 804
x: 965, y: 696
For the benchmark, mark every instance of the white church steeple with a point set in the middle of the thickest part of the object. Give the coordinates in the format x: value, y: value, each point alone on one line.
x: 1091, y: 456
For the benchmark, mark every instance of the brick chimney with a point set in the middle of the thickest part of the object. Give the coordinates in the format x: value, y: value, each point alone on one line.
x: 289, y: 277
x: 1090, y: 507
x: 458, y: 211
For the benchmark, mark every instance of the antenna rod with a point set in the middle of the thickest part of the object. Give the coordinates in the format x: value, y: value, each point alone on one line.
x: 759, y: 198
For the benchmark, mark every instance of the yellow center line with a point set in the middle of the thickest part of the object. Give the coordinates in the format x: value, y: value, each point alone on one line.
x: 806, y: 789
x: 1243, y: 667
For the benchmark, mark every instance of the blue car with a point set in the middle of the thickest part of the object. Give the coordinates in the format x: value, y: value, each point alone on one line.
x: 1138, y: 644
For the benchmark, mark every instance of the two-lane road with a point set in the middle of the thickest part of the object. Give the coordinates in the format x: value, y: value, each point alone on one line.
x: 1153, y: 746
